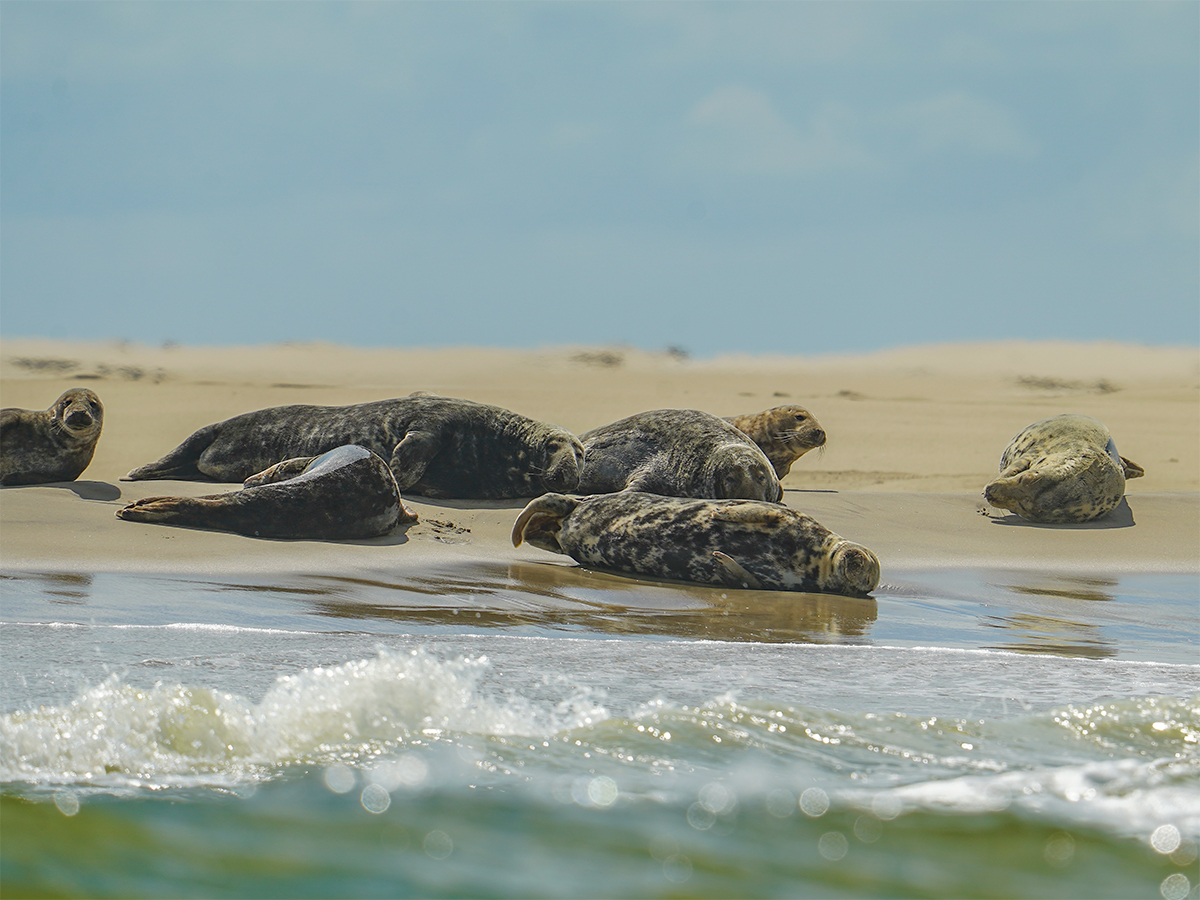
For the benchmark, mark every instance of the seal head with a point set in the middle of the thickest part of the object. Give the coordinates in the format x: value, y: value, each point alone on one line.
x: 1064, y: 469
x: 56, y: 444
x: 736, y: 543
x: 783, y: 433
x: 344, y: 494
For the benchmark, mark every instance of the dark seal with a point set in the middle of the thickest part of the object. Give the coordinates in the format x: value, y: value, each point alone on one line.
x: 344, y: 494
x: 736, y: 543
x: 56, y: 444
x: 436, y: 446
x: 783, y: 433
x: 677, y: 453
x: 1061, y: 470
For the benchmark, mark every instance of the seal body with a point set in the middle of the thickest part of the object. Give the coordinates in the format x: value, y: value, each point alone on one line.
x: 436, y: 446
x: 346, y: 493
x: 56, y: 444
x: 736, y: 543
x: 783, y: 433
x: 1060, y: 470
x: 677, y: 453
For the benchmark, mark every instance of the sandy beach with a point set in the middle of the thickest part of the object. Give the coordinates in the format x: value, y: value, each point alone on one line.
x: 914, y: 435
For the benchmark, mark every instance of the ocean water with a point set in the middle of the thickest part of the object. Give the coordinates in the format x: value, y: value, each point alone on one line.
x: 528, y: 730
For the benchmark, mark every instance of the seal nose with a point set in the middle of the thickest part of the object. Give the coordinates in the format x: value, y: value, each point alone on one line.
x: 818, y: 437
x: 79, y: 418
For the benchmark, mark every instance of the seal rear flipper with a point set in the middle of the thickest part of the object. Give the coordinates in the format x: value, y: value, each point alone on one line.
x: 733, y: 574
x: 540, y: 521
x: 1132, y: 469
x: 189, y: 511
x: 181, y: 464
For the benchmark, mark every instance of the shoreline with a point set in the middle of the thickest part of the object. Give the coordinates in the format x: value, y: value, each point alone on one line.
x: 914, y: 434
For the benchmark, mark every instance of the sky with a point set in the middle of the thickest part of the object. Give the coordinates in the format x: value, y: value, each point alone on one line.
x: 790, y: 177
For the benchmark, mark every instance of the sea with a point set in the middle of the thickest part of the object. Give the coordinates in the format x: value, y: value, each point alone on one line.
x: 482, y: 729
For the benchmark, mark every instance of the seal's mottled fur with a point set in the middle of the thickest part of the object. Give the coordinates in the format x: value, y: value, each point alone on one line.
x: 1064, y: 469
x: 783, y: 433
x: 737, y: 543
x: 55, y: 444
x: 436, y: 446
x: 346, y: 493
x: 677, y: 453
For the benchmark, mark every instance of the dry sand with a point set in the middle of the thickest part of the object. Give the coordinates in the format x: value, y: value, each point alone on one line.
x: 914, y: 434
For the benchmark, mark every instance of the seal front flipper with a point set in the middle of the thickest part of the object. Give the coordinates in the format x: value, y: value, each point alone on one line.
x: 733, y: 574
x: 181, y: 463
x: 412, y: 456
x: 289, y: 468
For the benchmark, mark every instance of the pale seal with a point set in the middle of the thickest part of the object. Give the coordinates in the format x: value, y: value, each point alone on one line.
x: 677, y: 453
x: 783, y: 433
x: 436, y: 446
x: 1062, y: 469
x: 56, y: 444
x: 737, y: 543
x: 344, y: 494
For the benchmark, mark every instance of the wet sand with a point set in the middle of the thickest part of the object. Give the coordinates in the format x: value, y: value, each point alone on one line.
x: 914, y: 435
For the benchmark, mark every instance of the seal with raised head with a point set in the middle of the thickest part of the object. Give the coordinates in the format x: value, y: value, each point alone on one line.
x: 436, y: 446
x: 736, y: 543
x: 783, y: 433
x: 677, y: 453
x: 344, y: 494
x: 55, y: 444
x: 1064, y: 469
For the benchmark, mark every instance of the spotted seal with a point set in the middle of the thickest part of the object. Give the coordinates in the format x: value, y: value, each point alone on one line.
x: 55, y: 444
x: 436, y: 446
x: 677, y: 453
x: 737, y: 543
x: 1062, y: 469
x: 783, y: 433
x: 344, y: 494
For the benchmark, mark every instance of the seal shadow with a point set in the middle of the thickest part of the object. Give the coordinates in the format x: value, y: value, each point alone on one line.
x: 1120, y: 517
x: 88, y: 490
x: 446, y: 503
x: 395, y: 537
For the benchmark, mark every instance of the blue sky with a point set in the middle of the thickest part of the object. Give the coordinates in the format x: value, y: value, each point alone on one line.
x: 747, y: 177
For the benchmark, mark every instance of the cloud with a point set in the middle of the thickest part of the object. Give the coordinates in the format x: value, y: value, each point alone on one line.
x: 956, y: 120
x: 739, y: 129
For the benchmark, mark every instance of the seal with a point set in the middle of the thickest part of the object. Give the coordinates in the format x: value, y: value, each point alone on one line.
x: 783, y: 433
x: 346, y: 493
x: 56, y: 444
x: 1060, y: 470
x: 736, y: 543
x: 677, y: 453
x: 436, y: 446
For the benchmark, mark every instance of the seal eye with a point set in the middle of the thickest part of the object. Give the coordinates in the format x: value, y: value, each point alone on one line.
x: 799, y: 417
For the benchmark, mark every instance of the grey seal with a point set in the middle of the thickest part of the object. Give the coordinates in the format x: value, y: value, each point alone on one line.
x: 1063, y: 469
x: 677, y: 453
x: 344, y: 494
x: 737, y: 543
x: 783, y: 433
x: 55, y: 444
x: 436, y: 446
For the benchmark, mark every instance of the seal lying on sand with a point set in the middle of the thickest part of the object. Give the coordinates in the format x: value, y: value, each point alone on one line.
x: 783, y: 433
x: 1062, y: 469
x: 436, y: 446
x: 677, y: 453
x: 737, y: 543
x: 55, y: 444
x: 346, y: 493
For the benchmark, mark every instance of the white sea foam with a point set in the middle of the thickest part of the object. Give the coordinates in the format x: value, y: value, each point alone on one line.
x: 170, y: 730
